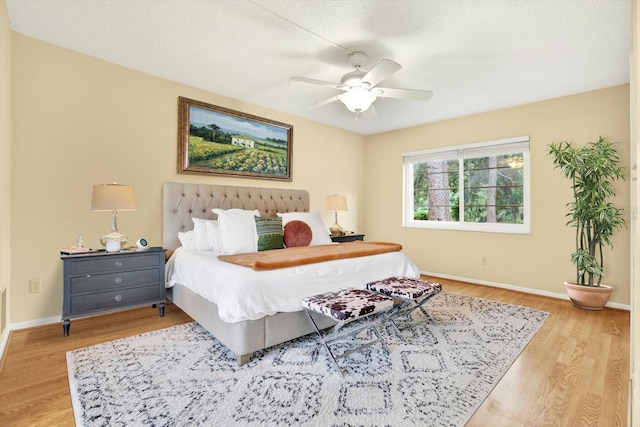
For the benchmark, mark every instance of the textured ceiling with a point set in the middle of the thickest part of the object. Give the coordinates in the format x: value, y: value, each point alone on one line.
x: 475, y: 55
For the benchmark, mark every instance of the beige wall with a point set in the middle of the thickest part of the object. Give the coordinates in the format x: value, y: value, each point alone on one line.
x: 79, y: 121
x: 634, y: 407
x: 539, y: 261
x: 5, y: 161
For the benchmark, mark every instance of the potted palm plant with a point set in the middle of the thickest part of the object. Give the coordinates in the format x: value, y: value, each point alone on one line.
x: 592, y: 168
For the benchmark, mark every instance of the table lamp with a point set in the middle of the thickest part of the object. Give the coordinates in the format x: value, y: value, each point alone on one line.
x: 113, y: 197
x: 336, y: 203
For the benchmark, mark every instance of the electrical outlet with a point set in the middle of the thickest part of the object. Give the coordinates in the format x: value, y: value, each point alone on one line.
x: 484, y: 260
x: 34, y: 286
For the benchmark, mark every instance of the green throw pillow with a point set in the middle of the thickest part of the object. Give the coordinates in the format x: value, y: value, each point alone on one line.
x: 270, y: 234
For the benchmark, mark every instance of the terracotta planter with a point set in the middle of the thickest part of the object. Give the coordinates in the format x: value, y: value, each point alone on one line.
x: 588, y: 297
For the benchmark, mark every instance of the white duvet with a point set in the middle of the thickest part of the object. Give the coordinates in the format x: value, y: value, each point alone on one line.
x: 244, y: 294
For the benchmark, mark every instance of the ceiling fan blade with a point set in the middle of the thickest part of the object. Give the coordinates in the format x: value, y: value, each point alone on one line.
x: 381, y: 71
x: 320, y: 82
x: 388, y: 92
x: 323, y: 102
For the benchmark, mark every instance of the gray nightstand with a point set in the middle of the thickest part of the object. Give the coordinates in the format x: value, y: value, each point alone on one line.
x: 100, y: 282
x: 347, y: 238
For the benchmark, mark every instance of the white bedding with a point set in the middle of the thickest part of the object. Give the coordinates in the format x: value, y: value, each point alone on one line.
x: 244, y: 294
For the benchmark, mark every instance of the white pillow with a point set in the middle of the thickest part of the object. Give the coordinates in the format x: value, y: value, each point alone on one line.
x: 187, y: 240
x: 213, y: 236
x: 237, y: 230
x: 320, y: 235
x: 201, y: 234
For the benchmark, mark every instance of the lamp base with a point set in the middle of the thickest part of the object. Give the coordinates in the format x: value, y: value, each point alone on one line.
x: 336, y: 230
x: 114, y: 235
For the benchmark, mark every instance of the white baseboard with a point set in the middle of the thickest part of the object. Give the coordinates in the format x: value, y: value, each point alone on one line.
x: 517, y: 288
x: 3, y: 341
x: 36, y: 322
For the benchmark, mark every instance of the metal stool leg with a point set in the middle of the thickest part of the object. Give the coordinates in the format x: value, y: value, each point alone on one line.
x: 426, y: 313
x: 384, y: 344
x: 420, y: 304
x: 389, y: 317
x: 332, y: 336
x: 322, y: 341
x: 405, y: 310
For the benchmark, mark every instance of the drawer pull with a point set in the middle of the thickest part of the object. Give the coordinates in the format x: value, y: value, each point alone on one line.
x: 118, y: 298
x: 118, y: 280
x: 118, y: 264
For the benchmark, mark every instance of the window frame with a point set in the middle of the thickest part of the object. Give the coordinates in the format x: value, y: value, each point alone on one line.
x: 520, y: 144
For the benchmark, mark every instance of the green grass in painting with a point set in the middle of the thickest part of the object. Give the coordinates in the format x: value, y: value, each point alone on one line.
x: 205, y: 154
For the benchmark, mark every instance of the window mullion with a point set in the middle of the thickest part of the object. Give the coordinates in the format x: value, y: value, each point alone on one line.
x: 461, y: 189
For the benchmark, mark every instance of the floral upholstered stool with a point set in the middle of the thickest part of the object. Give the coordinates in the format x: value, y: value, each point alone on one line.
x: 346, y: 306
x: 412, y: 294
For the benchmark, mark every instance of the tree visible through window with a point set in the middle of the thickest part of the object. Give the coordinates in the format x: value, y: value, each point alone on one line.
x: 478, y: 187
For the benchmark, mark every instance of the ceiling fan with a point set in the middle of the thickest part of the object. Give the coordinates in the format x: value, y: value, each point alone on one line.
x: 360, y: 87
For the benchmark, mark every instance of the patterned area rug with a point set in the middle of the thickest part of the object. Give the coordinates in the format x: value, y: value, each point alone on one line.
x: 182, y: 376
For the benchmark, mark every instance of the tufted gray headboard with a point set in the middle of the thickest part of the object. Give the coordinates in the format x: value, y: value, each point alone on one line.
x: 182, y: 201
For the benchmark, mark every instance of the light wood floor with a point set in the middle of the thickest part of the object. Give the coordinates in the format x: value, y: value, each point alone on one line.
x: 574, y: 371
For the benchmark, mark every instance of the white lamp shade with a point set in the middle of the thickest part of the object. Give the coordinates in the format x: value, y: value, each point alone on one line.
x: 358, y: 99
x: 113, y: 197
x: 337, y: 203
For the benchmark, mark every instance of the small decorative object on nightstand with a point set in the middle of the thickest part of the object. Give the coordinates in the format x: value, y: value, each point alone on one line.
x: 347, y: 238
x: 142, y: 244
x: 99, y: 282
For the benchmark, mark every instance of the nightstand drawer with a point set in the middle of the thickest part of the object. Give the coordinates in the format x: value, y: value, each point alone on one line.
x: 106, y: 300
x: 114, y: 263
x: 105, y: 282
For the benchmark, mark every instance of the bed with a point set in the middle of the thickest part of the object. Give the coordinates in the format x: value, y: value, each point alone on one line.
x: 250, y: 310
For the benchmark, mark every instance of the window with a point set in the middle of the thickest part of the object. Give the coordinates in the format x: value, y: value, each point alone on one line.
x: 475, y: 187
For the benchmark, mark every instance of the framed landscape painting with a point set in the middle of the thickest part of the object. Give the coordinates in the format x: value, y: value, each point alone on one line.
x: 219, y: 141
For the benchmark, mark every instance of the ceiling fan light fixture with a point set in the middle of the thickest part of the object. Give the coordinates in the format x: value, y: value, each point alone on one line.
x: 358, y: 99
x: 361, y: 88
